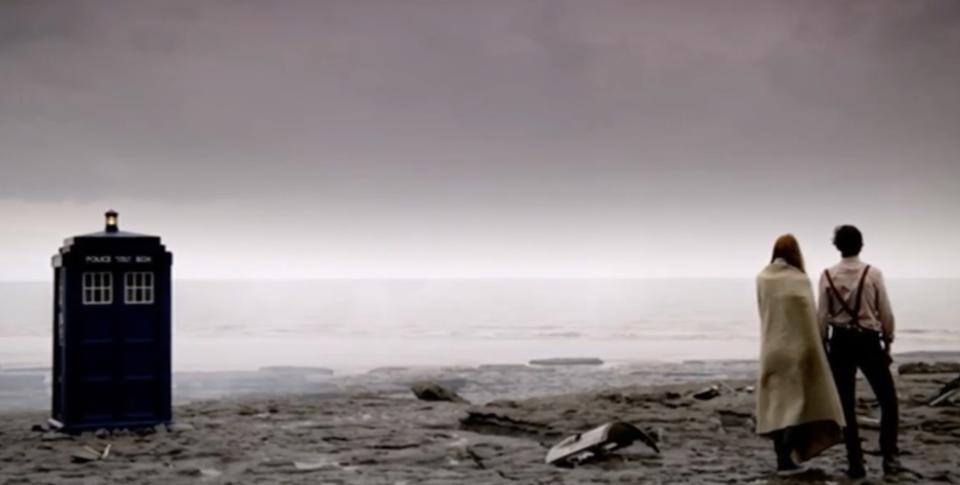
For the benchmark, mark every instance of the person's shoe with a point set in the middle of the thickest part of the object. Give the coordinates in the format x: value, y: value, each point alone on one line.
x: 856, y: 472
x: 892, y: 465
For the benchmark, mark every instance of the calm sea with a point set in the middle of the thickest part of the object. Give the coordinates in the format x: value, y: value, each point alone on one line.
x: 360, y: 324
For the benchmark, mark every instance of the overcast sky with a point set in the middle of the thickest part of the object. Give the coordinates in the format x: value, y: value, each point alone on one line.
x: 531, y: 138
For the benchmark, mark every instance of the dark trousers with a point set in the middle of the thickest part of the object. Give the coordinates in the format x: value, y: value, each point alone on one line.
x: 851, y: 350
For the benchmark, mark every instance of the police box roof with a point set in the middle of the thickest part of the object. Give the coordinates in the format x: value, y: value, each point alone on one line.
x: 111, y: 239
x: 112, y: 230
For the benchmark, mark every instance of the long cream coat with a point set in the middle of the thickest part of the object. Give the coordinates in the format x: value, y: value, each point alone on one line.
x: 795, y: 388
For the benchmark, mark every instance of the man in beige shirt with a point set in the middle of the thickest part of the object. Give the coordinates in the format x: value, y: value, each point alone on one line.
x: 875, y: 313
x: 854, y: 310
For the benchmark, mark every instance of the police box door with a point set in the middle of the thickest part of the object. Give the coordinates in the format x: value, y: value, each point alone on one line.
x: 123, y: 345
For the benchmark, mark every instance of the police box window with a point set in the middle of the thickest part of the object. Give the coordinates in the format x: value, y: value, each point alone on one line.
x: 138, y: 288
x: 97, y: 288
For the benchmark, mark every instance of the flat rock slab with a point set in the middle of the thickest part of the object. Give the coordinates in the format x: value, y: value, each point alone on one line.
x: 929, y: 368
x: 289, y: 369
x: 563, y: 361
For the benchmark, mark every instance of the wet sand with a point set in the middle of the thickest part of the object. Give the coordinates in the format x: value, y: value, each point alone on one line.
x: 387, y: 438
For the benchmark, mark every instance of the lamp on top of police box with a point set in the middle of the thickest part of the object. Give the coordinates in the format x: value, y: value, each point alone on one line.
x: 112, y: 216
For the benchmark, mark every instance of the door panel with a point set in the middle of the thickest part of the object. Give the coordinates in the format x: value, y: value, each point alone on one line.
x: 119, y: 358
x: 138, y: 349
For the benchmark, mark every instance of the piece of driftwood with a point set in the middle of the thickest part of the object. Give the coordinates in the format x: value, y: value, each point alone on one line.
x: 490, y: 421
x: 597, y: 442
x: 87, y: 454
x: 949, y: 392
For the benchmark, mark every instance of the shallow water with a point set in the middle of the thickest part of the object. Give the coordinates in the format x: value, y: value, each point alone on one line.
x: 360, y: 324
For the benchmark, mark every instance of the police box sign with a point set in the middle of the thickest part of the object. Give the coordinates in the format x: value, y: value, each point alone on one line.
x: 107, y: 259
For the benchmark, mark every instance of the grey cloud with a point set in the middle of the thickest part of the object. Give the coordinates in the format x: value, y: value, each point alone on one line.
x: 482, y: 137
x: 432, y: 101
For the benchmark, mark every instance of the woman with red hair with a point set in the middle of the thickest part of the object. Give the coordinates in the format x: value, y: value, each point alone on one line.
x: 797, y: 402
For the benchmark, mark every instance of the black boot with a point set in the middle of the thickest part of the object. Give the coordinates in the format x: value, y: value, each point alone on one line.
x: 855, y: 468
x: 785, y: 464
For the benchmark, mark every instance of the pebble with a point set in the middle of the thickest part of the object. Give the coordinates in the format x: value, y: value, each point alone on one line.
x: 210, y: 472
x: 308, y: 466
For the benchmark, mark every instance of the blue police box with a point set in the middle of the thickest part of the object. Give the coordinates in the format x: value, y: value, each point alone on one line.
x: 111, y: 331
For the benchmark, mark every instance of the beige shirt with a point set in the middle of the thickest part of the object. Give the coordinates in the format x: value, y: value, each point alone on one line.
x: 875, y: 311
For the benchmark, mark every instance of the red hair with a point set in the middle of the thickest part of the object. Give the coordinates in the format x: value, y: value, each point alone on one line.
x: 788, y: 249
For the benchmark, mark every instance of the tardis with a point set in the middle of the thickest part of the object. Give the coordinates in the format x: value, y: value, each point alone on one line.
x: 111, y: 331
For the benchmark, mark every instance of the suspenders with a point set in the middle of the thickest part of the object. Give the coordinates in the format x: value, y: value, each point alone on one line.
x: 844, y: 307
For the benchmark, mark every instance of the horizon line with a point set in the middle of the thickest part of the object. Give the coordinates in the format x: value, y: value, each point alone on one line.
x: 470, y: 278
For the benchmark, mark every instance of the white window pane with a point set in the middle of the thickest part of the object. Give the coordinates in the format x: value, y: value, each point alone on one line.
x: 139, y: 288
x: 97, y: 288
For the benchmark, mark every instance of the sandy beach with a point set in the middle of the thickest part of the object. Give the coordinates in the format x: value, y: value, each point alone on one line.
x: 384, y: 436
